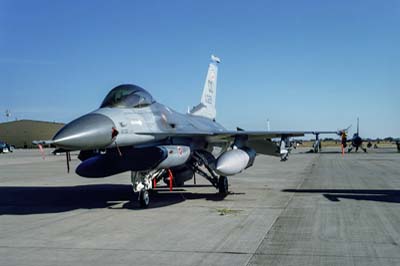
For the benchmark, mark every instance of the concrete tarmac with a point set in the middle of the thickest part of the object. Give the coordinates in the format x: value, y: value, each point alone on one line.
x: 315, y: 209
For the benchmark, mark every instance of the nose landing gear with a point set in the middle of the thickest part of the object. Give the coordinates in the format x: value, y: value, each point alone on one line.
x: 142, y: 182
x: 144, y: 198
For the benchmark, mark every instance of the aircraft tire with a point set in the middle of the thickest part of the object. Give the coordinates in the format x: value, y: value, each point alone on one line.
x: 223, y: 185
x: 144, y: 198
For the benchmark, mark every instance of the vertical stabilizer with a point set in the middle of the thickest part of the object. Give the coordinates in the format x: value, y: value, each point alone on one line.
x: 206, y: 107
x: 358, y: 127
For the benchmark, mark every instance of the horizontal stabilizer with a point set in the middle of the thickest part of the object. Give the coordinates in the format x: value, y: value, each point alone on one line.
x: 42, y: 142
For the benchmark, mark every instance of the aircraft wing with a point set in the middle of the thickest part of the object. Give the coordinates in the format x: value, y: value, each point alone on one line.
x: 321, y: 132
x: 257, y: 135
x: 228, y: 134
x: 260, y: 141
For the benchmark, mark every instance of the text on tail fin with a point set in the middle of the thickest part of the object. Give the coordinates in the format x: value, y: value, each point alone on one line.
x: 206, y: 107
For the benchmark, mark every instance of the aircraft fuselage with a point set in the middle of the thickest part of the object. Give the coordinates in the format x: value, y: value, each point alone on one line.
x: 132, y: 124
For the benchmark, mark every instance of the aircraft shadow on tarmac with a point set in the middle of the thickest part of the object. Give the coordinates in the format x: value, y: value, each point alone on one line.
x: 380, y: 195
x: 38, y: 200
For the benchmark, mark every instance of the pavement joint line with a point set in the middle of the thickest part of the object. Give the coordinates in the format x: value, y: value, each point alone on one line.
x: 28, y: 163
x: 54, y: 221
x: 324, y: 255
x: 127, y: 249
x: 307, y: 170
x: 176, y: 207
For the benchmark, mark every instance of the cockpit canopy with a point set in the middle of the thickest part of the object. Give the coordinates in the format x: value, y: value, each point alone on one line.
x: 127, y: 96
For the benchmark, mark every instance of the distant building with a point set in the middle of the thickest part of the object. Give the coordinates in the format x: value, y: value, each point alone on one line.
x: 21, y: 133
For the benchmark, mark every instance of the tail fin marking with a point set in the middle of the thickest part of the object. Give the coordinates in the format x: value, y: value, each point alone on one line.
x: 206, y: 107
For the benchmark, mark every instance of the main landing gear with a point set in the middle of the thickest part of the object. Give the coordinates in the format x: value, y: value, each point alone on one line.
x: 207, y: 160
x: 203, y: 164
x: 351, y: 148
x: 223, y: 185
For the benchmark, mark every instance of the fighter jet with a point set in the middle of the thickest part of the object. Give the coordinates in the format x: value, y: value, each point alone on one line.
x: 132, y: 132
x: 356, y: 141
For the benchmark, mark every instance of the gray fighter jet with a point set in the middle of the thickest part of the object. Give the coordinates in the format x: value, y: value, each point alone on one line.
x: 132, y: 132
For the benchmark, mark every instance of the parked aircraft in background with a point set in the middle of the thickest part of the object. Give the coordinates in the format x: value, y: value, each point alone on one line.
x: 356, y: 141
x: 317, y: 146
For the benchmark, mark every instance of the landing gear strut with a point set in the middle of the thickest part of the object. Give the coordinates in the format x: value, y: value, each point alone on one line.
x: 206, y: 160
x: 142, y: 182
x: 203, y: 164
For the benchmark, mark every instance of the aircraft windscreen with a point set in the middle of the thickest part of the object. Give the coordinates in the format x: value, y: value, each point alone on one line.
x: 127, y: 96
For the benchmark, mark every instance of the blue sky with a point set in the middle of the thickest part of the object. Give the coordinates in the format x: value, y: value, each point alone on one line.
x: 302, y: 64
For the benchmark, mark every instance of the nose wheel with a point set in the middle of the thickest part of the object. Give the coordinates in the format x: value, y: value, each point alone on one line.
x: 142, y: 182
x: 144, y: 198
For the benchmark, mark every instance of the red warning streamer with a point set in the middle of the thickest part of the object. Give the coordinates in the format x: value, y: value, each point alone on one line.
x: 171, y: 177
x: 41, y: 150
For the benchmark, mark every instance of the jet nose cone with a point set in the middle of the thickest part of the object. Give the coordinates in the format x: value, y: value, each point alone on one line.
x: 91, y: 131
